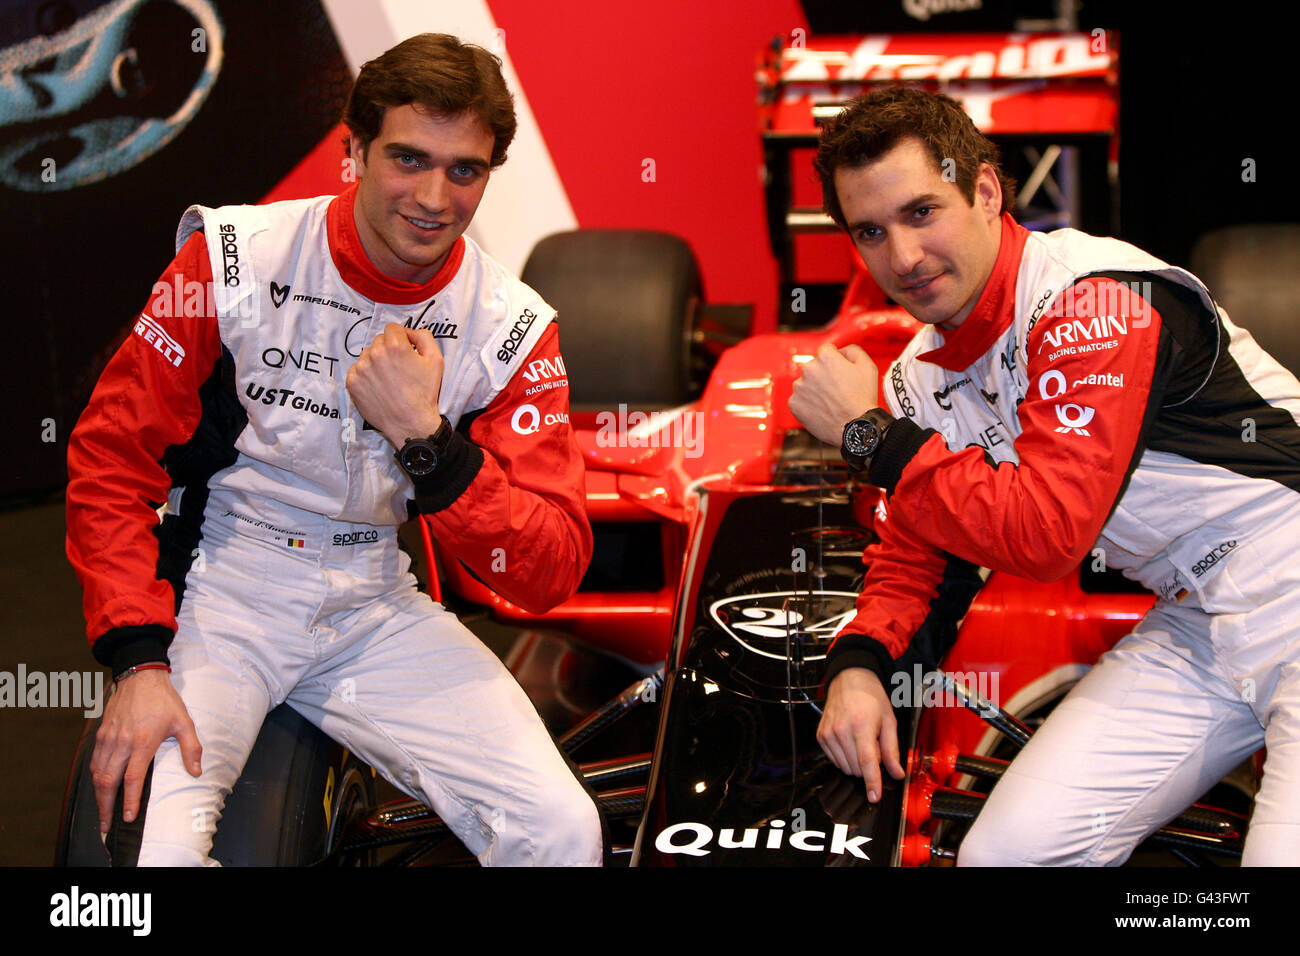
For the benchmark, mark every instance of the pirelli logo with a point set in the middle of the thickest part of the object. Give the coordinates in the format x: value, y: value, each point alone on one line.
x: 153, y: 333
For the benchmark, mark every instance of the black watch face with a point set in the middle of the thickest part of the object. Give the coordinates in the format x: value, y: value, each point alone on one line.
x: 419, y: 458
x: 861, y: 437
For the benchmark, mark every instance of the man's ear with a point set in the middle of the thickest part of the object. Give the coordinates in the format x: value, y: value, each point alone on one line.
x: 358, y: 152
x: 988, y: 191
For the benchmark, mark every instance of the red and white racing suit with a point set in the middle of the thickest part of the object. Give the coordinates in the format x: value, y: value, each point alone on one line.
x: 1097, y: 398
x: 276, y: 562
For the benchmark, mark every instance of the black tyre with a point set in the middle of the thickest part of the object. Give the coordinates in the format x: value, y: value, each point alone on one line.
x: 1251, y: 271
x: 296, y: 790
x: 628, y: 302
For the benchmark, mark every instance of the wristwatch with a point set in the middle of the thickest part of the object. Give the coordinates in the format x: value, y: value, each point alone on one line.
x: 863, y: 436
x: 420, y: 456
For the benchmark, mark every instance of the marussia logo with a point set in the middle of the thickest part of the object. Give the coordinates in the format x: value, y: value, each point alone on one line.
x: 941, y: 395
x: 278, y: 294
x: 761, y: 622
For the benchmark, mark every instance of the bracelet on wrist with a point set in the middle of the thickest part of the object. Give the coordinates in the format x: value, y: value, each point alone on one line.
x: 141, y: 667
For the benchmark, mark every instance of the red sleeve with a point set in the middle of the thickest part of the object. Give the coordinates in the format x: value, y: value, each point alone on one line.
x: 1081, y: 420
x: 521, y: 525
x: 912, y: 591
x: 146, y: 401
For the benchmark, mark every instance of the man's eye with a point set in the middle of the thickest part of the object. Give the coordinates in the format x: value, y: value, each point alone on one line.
x: 866, y: 235
x: 464, y: 172
x: 408, y: 159
x: 922, y: 212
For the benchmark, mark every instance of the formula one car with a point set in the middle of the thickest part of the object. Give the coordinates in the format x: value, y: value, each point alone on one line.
x: 728, y: 553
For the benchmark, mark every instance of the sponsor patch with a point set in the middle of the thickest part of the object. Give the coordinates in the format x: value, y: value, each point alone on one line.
x: 153, y: 333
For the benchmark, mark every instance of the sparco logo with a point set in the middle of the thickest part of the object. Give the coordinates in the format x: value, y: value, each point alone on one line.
x: 1037, y: 314
x: 355, y: 537
x: 692, y: 838
x: 900, y: 391
x: 924, y: 9
x: 511, y: 345
x: 230, y: 254
x: 1213, y: 558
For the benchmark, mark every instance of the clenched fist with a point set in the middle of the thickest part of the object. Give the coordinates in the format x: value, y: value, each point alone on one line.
x: 395, y: 383
x: 836, y: 387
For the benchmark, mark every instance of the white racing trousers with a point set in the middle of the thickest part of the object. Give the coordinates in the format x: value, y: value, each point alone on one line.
x: 284, y: 605
x: 1163, y: 716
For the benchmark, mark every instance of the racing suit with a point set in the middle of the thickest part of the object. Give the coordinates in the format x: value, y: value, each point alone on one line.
x: 1096, y: 397
x: 276, y: 562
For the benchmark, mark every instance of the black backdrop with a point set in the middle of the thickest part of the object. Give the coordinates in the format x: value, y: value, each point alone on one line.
x: 74, y: 274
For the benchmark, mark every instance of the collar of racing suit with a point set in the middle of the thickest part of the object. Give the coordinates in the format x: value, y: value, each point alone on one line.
x: 360, y: 273
x: 993, y: 312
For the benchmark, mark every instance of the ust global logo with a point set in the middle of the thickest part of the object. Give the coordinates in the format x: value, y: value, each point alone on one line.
x: 1072, y: 417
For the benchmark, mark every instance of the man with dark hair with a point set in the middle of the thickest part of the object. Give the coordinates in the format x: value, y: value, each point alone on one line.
x: 1068, y: 392
x: 356, y: 354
